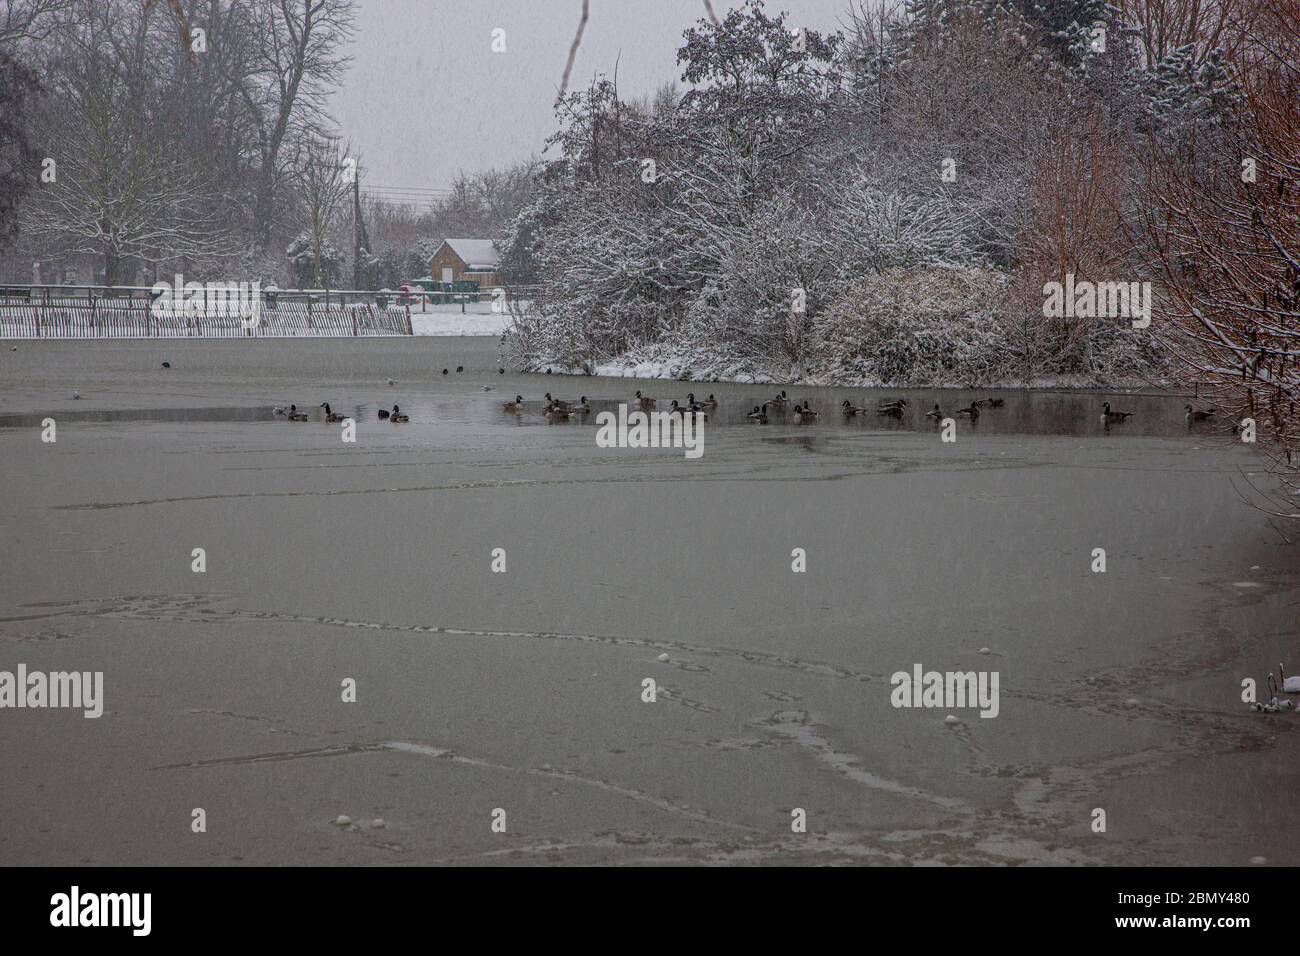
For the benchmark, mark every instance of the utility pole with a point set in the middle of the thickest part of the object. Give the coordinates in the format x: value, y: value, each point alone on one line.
x: 359, y: 238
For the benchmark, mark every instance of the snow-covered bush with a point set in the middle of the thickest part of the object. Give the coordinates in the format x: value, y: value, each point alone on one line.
x: 915, y: 326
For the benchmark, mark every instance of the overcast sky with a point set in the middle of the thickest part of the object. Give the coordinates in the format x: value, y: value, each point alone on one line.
x: 427, y: 97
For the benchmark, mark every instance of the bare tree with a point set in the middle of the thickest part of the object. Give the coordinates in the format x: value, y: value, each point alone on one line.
x: 1225, y: 232
x: 26, y: 20
x: 121, y: 187
x: 1163, y: 26
x: 297, y: 61
x: 322, y: 184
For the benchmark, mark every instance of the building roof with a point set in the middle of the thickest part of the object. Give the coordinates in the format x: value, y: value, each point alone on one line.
x: 477, y: 254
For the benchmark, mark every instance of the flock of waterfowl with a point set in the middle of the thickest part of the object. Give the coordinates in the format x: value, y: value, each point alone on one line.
x: 780, y: 405
x: 1285, y: 685
x: 560, y: 410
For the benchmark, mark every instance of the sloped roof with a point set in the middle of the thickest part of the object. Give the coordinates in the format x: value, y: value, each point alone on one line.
x: 477, y: 254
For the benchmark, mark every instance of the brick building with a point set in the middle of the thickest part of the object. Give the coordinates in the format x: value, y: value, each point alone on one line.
x: 469, y: 259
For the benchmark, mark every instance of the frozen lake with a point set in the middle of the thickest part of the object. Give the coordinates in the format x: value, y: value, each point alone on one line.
x: 523, y: 691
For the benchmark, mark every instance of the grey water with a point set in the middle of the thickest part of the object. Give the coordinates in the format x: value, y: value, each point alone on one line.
x: 1023, y: 412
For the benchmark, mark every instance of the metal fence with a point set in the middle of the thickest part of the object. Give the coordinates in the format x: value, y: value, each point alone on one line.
x: 33, y: 312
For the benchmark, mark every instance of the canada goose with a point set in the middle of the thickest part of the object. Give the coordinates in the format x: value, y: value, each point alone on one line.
x: 850, y: 409
x: 692, y: 404
x: 643, y: 401
x: 557, y: 402
x: 1107, y: 416
x: 396, y: 416
x: 1290, y: 685
x: 685, y: 410
x: 804, y: 414
x: 167, y: 364
x: 383, y: 414
x: 990, y: 402
x: 780, y: 399
x: 973, y: 412
x: 893, y: 411
x: 1197, y: 416
x: 556, y: 414
x: 331, y: 417
x: 582, y: 408
x: 459, y: 369
x: 935, y: 412
x: 758, y: 414
x: 899, y: 402
x: 709, y: 402
x: 516, y: 406
x: 295, y: 415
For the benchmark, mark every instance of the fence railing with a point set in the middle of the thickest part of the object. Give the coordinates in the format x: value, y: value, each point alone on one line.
x: 137, y: 312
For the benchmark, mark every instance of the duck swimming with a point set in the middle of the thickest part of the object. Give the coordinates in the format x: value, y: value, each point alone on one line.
x: 850, y: 409
x: 780, y: 399
x: 685, y: 410
x: 295, y: 415
x: 556, y: 414
x: 643, y: 401
x: 758, y: 415
x: 582, y: 408
x: 1107, y: 416
x: 396, y: 416
x: 516, y: 406
x: 893, y: 411
x: 935, y: 412
x: 331, y: 417
x: 973, y: 412
x: 804, y: 414
x: 557, y: 402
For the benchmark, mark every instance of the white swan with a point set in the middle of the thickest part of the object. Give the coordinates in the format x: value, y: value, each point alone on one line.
x: 1290, y: 685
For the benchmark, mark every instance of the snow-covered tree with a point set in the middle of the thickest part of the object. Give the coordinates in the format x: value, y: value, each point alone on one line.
x: 122, y: 186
